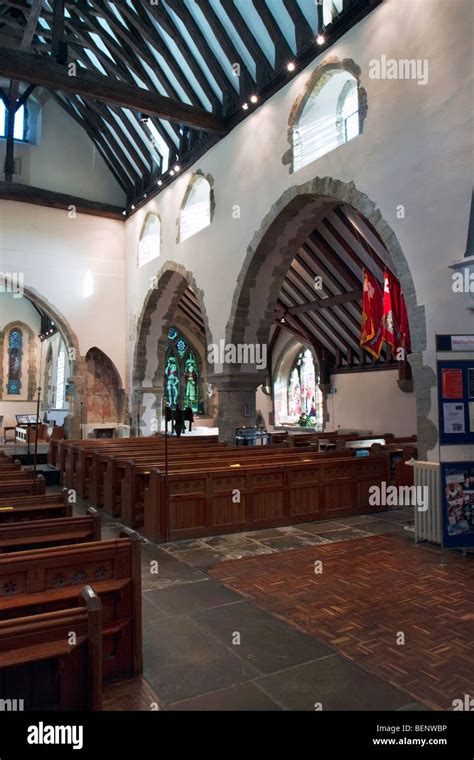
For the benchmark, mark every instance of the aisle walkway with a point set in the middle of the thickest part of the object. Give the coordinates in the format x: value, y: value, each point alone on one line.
x: 206, y: 647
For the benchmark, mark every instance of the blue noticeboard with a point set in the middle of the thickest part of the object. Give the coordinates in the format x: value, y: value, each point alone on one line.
x: 456, y: 402
x: 457, y: 487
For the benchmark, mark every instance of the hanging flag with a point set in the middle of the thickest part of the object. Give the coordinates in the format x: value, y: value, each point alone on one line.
x: 390, y: 299
x: 405, y: 336
x: 372, y: 311
x: 395, y: 327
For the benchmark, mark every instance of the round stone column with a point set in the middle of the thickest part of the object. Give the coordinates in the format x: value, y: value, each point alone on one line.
x: 237, y: 402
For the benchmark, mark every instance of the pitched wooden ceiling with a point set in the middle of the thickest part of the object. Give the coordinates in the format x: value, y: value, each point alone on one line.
x: 329, y: 318
x: 184, y: 50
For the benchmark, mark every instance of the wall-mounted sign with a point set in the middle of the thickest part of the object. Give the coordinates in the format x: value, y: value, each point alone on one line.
x: 455, y: 394
x: 457, y: 485
x: 452, y: 383
x: 462, y: 342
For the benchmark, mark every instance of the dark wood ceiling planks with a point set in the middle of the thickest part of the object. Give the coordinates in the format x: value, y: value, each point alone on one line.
x: 177, y: 51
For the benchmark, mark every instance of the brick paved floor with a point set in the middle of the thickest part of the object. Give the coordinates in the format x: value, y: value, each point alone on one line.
x: 371, y: 592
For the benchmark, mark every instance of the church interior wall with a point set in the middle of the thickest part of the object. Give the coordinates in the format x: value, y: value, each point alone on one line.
x: 392, y: 162
x: 54, y: 252
x: 422, y: 188
x: 370, y: 401
x: 62, y: 142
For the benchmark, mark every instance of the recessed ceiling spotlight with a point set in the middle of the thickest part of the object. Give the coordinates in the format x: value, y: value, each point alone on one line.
x: 254, y: 99
x: 160, y: 182
x: 132, y: 207
x: 177, y: 167
x: 245, y: 106
x: 291, y: 66
x: 145, y: 195
x: 172, y: 173
x: 283, y: 320
x: 320, y: 39
x: 124, y: 212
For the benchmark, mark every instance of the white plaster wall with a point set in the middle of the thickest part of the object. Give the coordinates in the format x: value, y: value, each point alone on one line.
x: 415, y: 151
x: 371, y: 401
x: 65, y: 160
x: 54, y: 252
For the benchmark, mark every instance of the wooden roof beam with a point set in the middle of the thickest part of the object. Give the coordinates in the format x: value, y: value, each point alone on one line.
x: 40, y: 70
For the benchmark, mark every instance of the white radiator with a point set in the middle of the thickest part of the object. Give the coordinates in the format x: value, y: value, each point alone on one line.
x: 428, y: 525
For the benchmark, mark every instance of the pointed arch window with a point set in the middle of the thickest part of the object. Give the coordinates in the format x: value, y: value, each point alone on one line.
x: 15, y: 352
x: 181, y: 380
x: 305, y: 399
x: 196, y: 212
x: 330, y: 118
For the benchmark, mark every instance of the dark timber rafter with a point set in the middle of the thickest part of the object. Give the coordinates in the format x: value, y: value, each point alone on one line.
x: 39, y: 70
x: 172, y: 60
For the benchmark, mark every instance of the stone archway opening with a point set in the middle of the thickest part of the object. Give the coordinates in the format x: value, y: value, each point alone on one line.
x: 174, y: 303
x: 270, y: 285
x: 77, y: 370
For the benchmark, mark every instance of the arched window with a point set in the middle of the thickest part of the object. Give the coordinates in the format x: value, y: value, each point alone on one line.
x: 15, y: 351
x: 181, y: 380
x: 149, y: 245
x: 305, y: 400
x: 329, y: 118
x: 196, y: 212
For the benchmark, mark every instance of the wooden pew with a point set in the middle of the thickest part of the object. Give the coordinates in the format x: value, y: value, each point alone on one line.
x: 91, y: 465
x: 46, y: 580
x: 193, y: 504
x: 70, y: 451
x: 23, y: 487
x: 38, y: 664
x: 39, y: 534
x: 137, y: 474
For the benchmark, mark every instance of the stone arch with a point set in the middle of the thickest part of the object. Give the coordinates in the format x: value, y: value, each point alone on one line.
x: 32, y: 381
x: 318, y: 79
x: 77, y: 377
x: 282, y: 232
x: 198, y: 175
x: 156, y: 316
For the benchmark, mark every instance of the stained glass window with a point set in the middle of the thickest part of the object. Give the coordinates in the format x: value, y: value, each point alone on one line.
x: 181, y: 379
x: 15, y: 350
x: 181, y: 346
x: 305, y: 400
x: 191, y: 375
x: 172, y: 376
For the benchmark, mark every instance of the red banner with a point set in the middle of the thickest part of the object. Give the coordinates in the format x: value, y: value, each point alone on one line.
x: 372, y: 311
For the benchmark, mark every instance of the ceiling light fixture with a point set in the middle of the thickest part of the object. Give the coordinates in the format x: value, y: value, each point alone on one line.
x: 320, y: 39
x: 160, y: 182
x: 291, y: 66
x: 254, y: 99
x: 132, y: 207
x: 177, y: 167
x: 245, y: 106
